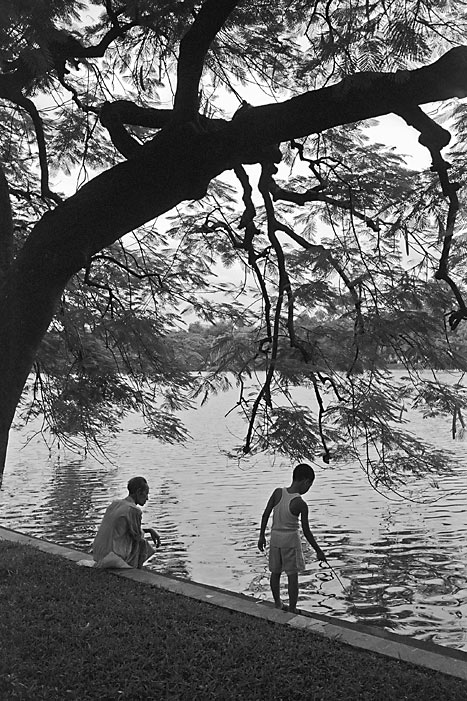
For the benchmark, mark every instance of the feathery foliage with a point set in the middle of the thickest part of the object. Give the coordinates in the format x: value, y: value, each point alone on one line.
x: 324, y: 258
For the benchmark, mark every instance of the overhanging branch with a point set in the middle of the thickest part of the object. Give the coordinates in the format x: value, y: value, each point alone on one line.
x: 359, y: 97
x: 114, y: 115
x: 178, y: 165
x: 193, y: 49
x: 129, y: 113
x: 434, y: 137
x: 179, y: 162
x: 31, y: 109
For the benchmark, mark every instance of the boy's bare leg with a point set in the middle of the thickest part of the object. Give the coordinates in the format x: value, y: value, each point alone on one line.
x: 292, y: 586
x: 274, y: 581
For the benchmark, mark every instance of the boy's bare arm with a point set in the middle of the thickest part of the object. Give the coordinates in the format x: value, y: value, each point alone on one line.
x: 307, y: 532
x: 273, y: 500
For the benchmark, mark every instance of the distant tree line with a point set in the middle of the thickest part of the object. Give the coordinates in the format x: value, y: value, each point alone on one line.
x: 232, y: 346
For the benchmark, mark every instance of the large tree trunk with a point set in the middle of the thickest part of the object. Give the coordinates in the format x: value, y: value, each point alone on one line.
x: 28, y: 301
x: 178, y: 165
x: 173, y: 168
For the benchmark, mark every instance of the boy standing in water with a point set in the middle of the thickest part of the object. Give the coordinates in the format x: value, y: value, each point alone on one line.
x: 285, y: 550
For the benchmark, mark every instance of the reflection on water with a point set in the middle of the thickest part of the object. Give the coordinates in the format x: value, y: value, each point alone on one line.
x: 69, y: 503
x: 403, y: 563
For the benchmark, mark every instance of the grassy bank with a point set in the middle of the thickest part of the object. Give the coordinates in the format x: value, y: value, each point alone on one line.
x: 68, y: 632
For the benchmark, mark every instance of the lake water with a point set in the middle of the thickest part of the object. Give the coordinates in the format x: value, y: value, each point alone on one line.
x: 403, y: 562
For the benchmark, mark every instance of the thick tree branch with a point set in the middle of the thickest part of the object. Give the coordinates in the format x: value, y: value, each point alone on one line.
x: 128, y: 113
x: 114, y: 115
x: 360, y: 97
x: 126, y: 144
x: 432, y: 135
x: 30, y: 108
x: 193, y: 49
x: 179, y: 162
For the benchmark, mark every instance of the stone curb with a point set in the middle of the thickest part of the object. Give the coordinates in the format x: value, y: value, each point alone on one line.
x: 448, y: 661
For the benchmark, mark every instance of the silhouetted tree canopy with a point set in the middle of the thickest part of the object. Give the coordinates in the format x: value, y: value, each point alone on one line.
x: 183, y: 160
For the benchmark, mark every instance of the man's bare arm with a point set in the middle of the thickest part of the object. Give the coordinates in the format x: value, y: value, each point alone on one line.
x: 154, y: 535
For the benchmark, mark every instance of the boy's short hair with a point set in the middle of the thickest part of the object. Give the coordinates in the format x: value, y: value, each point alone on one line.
x: 136, y: 483
x: 303, y: 472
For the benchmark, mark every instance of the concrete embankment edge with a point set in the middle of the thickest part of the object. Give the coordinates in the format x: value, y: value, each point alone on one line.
x: 445, y: 660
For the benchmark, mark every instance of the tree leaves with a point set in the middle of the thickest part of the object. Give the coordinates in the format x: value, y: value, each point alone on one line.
x: 337, y: 246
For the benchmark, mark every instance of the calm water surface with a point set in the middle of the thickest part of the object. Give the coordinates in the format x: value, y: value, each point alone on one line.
x: 403, y: 562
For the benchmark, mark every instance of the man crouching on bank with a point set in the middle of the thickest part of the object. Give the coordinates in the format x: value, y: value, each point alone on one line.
x: 120, y: 540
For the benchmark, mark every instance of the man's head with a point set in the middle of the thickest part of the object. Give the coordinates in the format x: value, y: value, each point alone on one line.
x: 303, y: 476
x: 138, y: 490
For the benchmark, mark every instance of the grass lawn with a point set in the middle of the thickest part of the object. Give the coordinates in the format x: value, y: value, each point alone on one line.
x: 68, y: 632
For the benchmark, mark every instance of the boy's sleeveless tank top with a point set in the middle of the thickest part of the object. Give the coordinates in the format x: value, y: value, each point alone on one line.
x: 285, y: 525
